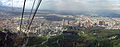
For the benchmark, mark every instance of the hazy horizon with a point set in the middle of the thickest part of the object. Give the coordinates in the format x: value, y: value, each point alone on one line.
x: 69, y: 5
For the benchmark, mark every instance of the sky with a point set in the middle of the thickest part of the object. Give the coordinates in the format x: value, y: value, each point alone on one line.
x: 70, y: 5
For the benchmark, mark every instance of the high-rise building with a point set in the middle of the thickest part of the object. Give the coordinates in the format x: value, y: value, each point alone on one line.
x: 78, y: 23
x: 102, y: 23
x: 63, y: 22
x: 57, y: 29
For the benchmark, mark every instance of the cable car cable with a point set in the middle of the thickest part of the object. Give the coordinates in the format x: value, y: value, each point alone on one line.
x: 34, y: 13
x: 22, y: 15
x: 31, y: 12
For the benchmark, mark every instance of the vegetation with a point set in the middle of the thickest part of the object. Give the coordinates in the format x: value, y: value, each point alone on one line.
x: 81, y: 38
x: 36, y: 41
x: 90, y: 38
x: 1, y: 29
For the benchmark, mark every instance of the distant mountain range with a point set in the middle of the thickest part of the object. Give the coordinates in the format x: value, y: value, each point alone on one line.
x: 9, y: 11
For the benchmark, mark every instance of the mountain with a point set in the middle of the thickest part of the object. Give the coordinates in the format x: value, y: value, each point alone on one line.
x: 108, y: 13
x: 9, y: 11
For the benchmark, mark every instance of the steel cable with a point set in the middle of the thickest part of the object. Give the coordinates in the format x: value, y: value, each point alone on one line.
x: 31, y: 12
x: 22, y: 15
x: 35, y: 13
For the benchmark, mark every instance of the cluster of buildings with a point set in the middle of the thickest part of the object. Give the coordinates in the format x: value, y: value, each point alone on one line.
x: 43, y: 26
x: 89, y: 21
x: 8, y: 23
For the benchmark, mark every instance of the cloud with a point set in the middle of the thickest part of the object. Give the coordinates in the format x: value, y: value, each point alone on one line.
x: 0, y: 3
x: 16, y: 3
x: 65, y: 4
x: 82, y: 5
x: 104, y: 4
x: 72, y: 5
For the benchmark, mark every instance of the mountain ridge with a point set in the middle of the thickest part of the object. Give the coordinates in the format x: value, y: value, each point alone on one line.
x: 10, y: 11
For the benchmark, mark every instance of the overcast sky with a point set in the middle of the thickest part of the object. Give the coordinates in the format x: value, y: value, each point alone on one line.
x: 73, y: 5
